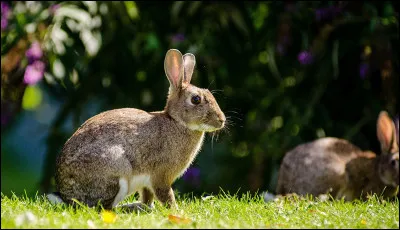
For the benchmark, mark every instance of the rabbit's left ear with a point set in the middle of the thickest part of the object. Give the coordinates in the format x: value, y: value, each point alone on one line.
x: 189, y: 61
x: 173, y: 68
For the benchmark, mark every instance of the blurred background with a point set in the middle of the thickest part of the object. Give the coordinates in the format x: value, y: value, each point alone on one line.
x: 284, y: 73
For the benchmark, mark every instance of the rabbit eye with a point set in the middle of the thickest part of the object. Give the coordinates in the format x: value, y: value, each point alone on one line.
x: 393, y: 162
x: 196, y: 100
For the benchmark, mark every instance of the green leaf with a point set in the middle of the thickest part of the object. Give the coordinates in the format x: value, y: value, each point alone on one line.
x: 372, y: 24
x: 385, y: 21
x: 277, y: 122
x: 152, y: 42
x: 388, y: 10
x: 193, y: 7
x: 271, y: 62
x: 176, y: 8
x: 21, y: 19
x: 289, y: 81
x: 239, y: 22
x: 10, y: 41
x: 260, y: 15
x: 132, y: 9
x: 141, y: 76
x: 263, y: 57
x: 32, y: 98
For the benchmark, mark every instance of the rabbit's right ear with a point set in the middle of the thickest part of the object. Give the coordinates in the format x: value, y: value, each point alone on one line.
x: 189, y: 61
x: 173, y: 66
x: 386, y: 133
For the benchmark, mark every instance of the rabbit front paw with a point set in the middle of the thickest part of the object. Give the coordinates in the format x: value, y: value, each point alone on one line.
x: 166, y: 196
x: 135, y: 207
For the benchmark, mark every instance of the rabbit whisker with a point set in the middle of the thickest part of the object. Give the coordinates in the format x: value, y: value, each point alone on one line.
x: 210, y: 84
x: 216, y: 91
x: 232, y: 111
x: 212, y: 142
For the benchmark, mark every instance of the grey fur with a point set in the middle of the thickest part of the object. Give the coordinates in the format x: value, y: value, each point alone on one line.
x: 335, y: 166
x: 121, y: 143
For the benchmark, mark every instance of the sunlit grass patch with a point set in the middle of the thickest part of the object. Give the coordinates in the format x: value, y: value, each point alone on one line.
x: 218, y: 211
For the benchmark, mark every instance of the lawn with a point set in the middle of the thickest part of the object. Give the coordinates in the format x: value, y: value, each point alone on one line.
x: 219, y: 211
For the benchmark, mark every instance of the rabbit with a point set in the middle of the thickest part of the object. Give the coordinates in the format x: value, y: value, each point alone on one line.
x: 337, y: 167
x: 123, y: 151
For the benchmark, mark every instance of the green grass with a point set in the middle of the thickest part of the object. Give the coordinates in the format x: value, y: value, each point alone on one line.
x: 221, y: 211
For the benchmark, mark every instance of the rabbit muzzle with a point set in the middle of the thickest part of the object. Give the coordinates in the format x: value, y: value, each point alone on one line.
x: 218, y: 120
x: 215, y: 123
x: 210, y: 127
x: 389, y: 171
x: 221, y: 120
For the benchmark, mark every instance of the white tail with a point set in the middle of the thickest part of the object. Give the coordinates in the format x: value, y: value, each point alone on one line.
x: 54, y: 198
x: 268, y: 196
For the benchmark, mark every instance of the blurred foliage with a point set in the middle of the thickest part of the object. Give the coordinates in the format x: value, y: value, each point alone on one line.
x: 283, y: 72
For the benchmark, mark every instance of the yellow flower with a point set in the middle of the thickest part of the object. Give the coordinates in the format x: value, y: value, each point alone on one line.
x: 108, y: 217
x: 364, y: 222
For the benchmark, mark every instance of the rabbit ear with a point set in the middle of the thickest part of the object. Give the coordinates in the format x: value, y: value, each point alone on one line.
x: 173, y: 68
x: 386, y: 133
x: 189, y: 61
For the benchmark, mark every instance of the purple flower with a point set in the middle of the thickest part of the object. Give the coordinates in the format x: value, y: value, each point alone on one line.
x: 5, y: 8
x: 178, y: 37
x: 364, y: 70
x: 4, y: 23
x: 305, y: 57
x: 192, y: 175
x: 54, y: 8
x: 34, y: 72
x: 34, y: 52
x: 5, y: 11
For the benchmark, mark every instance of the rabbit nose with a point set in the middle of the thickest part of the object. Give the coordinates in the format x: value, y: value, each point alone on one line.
x: 222, y: 119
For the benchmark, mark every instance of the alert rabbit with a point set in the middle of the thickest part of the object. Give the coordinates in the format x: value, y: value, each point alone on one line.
x: 122, y: 151
x: 341, y: 168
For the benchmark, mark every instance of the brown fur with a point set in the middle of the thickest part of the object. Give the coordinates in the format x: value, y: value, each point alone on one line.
x: 335, y: 166
x: 124, y: 142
